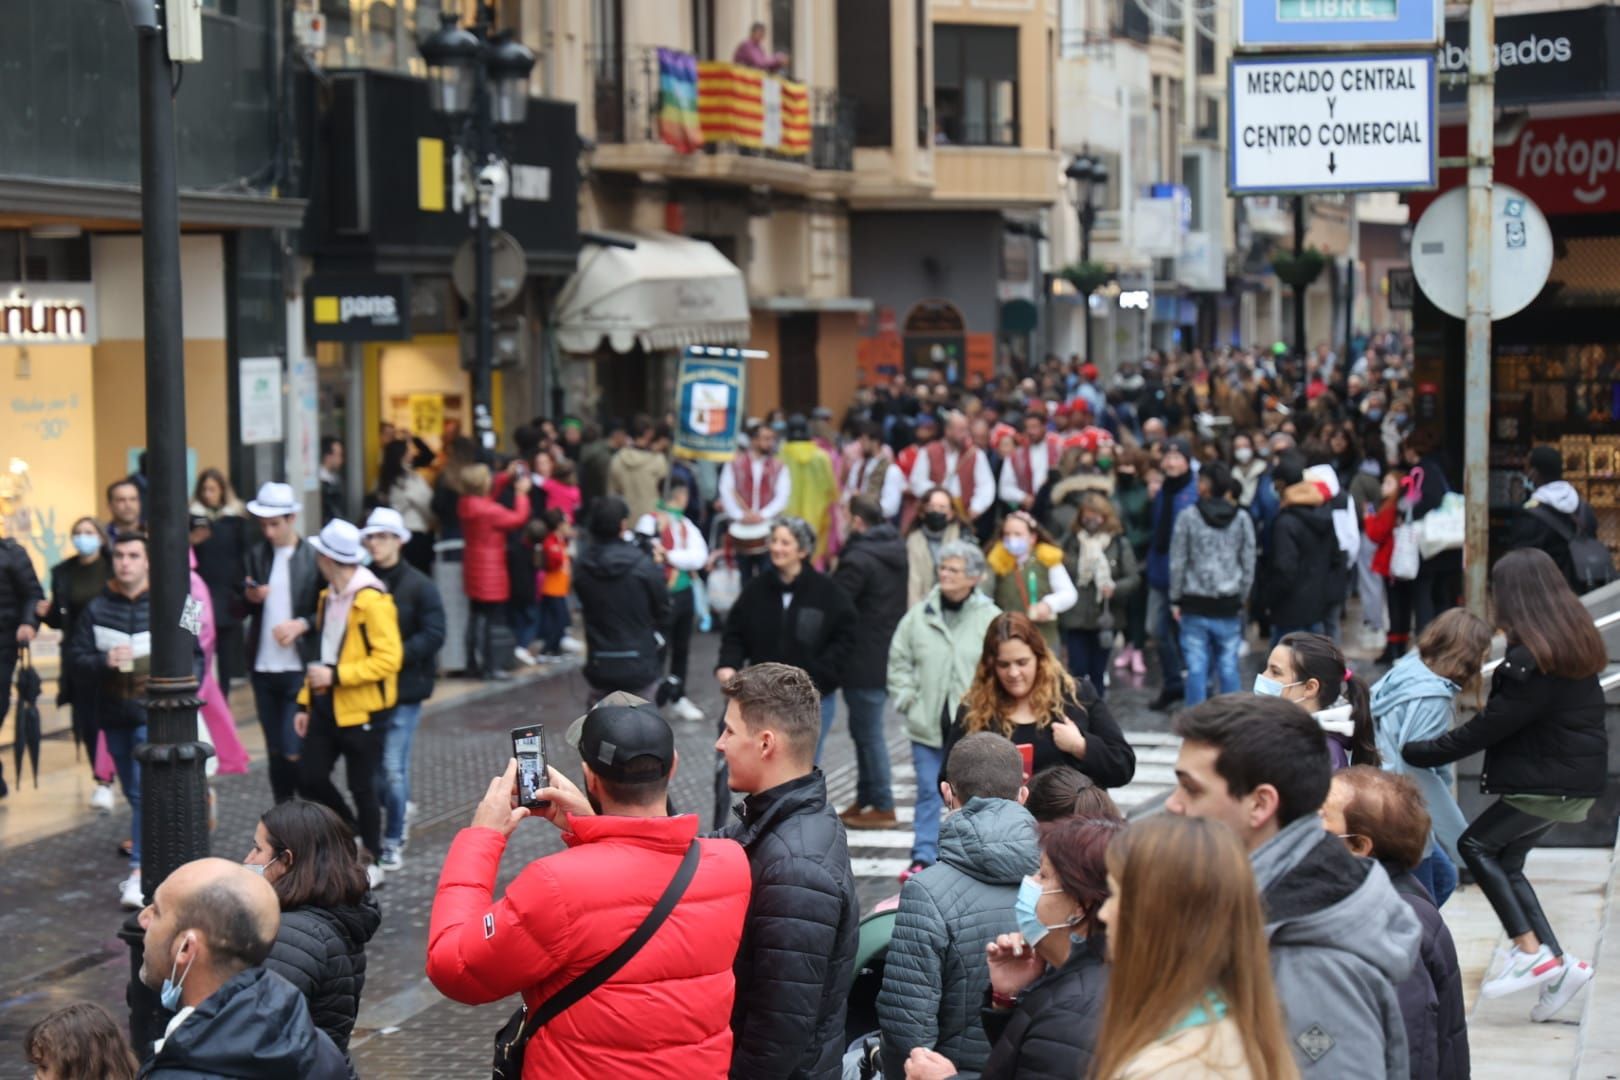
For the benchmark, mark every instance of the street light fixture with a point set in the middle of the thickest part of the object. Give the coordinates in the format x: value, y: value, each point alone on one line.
x: 479, y: 79
x: 1086, y: 174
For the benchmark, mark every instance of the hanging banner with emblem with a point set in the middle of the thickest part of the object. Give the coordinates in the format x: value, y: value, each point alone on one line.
x: 710, y: 391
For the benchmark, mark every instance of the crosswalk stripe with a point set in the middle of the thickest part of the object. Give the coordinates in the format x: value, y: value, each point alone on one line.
x: 872, y: 869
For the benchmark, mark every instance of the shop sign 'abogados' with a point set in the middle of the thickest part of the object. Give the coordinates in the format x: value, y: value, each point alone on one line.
x: 47, y: 313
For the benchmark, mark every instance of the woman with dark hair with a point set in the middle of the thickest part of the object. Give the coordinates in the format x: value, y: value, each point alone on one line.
x: 400, y: 486
x: 1104, y: 571
x: 1309, y: 670
x: 1134, y: 503
x: 307, y: 854
x: 937, y: 523
x: 1438, y: 585
x: 1020, y: 691
x: 75, y: 581
x: 1059, y: 791
x: 220, y: 538
x: 1546, y: 755
x: 1047, y: 981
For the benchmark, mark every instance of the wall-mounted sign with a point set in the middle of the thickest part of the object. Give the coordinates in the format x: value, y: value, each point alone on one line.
x: 357, y: 307
x: 259, y: 382
x: 1402, y: 288
x: 1561, y: 56
x: 1313, y: 24
x: 47, y: 313
x: 1135, y: 299
x: 1331, y: 123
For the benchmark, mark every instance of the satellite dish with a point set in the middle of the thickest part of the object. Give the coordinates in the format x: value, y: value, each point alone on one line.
x: 1521, y: 252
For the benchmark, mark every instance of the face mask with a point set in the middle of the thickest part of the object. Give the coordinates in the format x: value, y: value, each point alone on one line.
x: 1375, y: 415
x: 1029, y: 923
x: 257, y: 868
x: 1105, y: 463
x: 1091, y: 525
x: 169, y: 995
x: 1017, y: 546
x: 1270, y: 687
x: 1243, y: 455
x: 1399, y: 418
x: 86, y: 544
x: 1263, y: 451
x: 934, y: 521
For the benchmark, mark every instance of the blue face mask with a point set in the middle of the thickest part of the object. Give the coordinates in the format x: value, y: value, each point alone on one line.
x: 1029, y: 923
x: 257, y: 868
x: 86, y: 544
x: 1017, y: 546
x: 170, y: 994
x: 1267, y: 687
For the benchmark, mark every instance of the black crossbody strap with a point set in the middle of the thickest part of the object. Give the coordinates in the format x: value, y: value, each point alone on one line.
x: 605, y: 968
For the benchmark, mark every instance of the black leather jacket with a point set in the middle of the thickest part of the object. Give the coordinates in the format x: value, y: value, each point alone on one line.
x: 306, y: 594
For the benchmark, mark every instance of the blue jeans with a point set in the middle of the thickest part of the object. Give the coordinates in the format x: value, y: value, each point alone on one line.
x: 121, y: 744
x: 872, y: 787
x: 554, y: 622
x: 395, y: 781
x: 928, y: 762
x: 829, y: 713
x: 1438, y: 874
x: 1207, y: 637
x: 1165, y: 635
x: 275, y: 698
x: 525, y: 620
x: 1088, y: 657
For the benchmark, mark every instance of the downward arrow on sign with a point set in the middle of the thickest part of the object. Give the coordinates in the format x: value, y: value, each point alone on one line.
x: 1332, y: 166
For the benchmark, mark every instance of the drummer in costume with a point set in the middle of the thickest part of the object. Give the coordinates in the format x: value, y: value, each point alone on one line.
x: 754, y: 491
x: 1024, y: 471
x: 956, y: 465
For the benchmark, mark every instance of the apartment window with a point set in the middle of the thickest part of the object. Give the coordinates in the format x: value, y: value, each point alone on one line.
x: 377, y: 33
x: 975, y: 85
x: 703, y: 29
x: 1131, y: 20
x: 782, y: 14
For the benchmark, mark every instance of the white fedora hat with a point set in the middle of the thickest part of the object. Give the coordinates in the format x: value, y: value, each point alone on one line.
x: 275, y: 500
x: 340, y: 542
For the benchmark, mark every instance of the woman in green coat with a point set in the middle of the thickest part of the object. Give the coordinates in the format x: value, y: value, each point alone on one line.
x: 932, y: 660
x: 1104, y: 570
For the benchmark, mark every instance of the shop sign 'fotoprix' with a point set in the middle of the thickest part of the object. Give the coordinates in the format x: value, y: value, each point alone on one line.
x: 1331, y: 123
x: 47, y: 313
x: 357, y: 307
x: 1315, y: 24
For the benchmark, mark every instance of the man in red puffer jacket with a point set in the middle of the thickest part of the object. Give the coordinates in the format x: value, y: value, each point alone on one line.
x: 667, y: 1011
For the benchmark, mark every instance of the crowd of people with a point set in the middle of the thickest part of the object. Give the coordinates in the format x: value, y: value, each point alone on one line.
x: 982, y: 559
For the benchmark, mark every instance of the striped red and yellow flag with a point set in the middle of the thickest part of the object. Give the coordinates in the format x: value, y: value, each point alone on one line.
x: 748, y: 108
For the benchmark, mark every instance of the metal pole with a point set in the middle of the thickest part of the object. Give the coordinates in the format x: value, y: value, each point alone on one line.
x: 1476, y: 429
x: 484, y: 304
x: 174, y: 825
x: 1354, y: 256
x: 1085, y: 261
x: 1299, y: 293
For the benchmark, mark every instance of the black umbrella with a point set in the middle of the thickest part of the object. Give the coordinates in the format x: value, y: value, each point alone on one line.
x: 28, y: 684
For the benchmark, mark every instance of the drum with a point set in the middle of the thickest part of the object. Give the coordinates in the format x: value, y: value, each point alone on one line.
x: 750, y: 539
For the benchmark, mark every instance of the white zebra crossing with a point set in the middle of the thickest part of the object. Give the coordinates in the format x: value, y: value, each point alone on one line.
x: 882, y: 854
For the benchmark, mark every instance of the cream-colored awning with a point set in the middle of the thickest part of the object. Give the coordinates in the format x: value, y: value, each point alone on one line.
x: 667, y: 292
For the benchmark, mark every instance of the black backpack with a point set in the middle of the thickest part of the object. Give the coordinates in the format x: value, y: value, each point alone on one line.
x: 1588, y: 563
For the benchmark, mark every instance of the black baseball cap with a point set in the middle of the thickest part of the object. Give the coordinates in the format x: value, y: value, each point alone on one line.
x: 627, y: 743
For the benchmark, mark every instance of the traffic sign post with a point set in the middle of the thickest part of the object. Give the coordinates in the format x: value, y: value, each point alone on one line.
x: 1331, y: 123
x: 1333, y: 24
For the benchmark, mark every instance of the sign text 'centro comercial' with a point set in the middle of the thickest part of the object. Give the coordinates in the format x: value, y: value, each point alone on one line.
x: 1332, y: 123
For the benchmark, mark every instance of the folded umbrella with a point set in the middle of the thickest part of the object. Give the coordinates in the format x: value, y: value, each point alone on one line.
x: 28, y: 687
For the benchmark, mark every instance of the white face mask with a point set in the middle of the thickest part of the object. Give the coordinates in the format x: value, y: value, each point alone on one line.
x: 1243, y: 455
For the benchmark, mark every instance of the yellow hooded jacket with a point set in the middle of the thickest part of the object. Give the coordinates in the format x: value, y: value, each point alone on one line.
x: 366, y: 676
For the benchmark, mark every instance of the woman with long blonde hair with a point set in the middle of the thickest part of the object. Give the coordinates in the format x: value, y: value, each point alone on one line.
x: 1187, y: 997
x: 1021, y: 691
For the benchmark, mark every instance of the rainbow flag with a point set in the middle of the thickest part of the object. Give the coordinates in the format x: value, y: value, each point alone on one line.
x: 678, y: 123
x: 746, y: 107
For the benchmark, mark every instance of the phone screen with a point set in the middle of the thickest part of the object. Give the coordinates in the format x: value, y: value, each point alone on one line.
x: 529, y: 747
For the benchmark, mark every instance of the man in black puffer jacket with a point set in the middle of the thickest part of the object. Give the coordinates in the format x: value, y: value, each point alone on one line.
x: 625, y: 600
x: 797, y: 955
x: 872, y: 570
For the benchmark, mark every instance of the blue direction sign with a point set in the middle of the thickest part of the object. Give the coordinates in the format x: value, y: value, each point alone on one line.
x: 1319, y: 24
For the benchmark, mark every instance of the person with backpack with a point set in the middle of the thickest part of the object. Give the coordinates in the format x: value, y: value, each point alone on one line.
x: 1555, y: 519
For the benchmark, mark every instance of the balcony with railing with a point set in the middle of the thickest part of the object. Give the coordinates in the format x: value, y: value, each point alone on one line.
x: 661, y: 111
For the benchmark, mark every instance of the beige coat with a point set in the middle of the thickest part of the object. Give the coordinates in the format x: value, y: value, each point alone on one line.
x: 1206, y: 1052
x: 921, y: 573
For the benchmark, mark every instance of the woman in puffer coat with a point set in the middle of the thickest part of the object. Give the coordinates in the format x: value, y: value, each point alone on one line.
x: 484, y: 525
x: 307, y: 854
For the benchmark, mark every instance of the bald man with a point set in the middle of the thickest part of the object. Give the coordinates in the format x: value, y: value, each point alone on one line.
x: 208, y: 928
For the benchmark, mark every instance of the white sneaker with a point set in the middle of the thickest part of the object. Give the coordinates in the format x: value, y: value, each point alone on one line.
x: 572, y: 644
x: 1523, y: 971
x: 525, y: 657
x: 129, y: 893
x: 374, y: 876
x: 1574, y: 975
x: 101, y: 800
x: 685, y: 710
x: 1501, y: 956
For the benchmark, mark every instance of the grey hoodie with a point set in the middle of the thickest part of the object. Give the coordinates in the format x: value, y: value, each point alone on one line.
x: 1212, y: 559
x: 1341, y: 940
x: 1411, y: 704
x: 936, y: 973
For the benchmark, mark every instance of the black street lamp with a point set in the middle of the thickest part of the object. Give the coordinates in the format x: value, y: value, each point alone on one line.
x: 1085, y: 174
x: 480, y: 78
x: 174, y: 824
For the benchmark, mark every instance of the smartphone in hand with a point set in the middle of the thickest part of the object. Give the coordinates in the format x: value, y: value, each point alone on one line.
x: 529, y: 748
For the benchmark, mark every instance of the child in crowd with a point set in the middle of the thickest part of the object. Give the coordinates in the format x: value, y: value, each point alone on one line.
x: 555, y: 577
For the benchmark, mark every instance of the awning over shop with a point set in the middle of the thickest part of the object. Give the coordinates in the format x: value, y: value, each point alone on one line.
x: 666, y: 292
